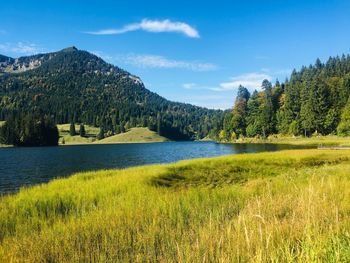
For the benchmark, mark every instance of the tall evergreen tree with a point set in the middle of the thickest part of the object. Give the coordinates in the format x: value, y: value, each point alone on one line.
x: 343, y: 128
x: 82, y: 131
x: 239, y: 112
x: 253, y: 127
x: 101, y: 134
x: 72, y: 131
x: 266, y: 115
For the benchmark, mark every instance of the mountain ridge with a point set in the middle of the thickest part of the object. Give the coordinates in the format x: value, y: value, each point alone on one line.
x: 75, y: 85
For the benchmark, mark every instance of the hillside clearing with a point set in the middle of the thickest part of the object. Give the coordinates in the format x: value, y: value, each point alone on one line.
x: 134, y: 135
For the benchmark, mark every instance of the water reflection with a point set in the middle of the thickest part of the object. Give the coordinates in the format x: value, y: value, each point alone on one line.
x: 28, y: 166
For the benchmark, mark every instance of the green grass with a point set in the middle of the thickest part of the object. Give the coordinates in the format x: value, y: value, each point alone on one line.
x: 329, y: 140
x: 290, y: 206
x: 134, y: 135
x: 91, y: 133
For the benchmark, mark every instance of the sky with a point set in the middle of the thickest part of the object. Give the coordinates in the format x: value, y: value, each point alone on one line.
x: 197, y: 52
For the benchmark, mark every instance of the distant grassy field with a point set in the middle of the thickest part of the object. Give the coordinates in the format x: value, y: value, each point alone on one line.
x: 91, y: 133
x: 290, y: 206
x: 134, y: 135
x: 330, y: 140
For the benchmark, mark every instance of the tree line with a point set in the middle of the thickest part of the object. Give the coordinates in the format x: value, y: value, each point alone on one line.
x: 314, y: 100
x: 29, y: 130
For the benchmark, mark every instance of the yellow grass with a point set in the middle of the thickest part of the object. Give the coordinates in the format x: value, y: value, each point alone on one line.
x: 290, y: 206
x: 330, y: 140
x: 134, y: 135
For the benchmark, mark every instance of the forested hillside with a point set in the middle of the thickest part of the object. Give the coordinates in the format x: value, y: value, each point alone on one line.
x: 315, y: 100
x: 77, y: 86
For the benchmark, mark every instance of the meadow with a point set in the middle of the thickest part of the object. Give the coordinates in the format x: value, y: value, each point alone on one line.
x: 328, y: 140
x: 288, y: 206
x: 66, y: 138
x: 134, y: 135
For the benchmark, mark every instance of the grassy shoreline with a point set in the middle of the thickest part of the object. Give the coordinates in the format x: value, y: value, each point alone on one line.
x: 281, y: 206
x: 330, y: 140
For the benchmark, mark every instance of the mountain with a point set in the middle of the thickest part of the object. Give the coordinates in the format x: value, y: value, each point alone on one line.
x: 75, y: 85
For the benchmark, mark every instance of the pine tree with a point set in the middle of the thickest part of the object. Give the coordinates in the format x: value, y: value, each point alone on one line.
x: 343, y: 128
x: 239, y: 113
x: 82, y: 132
x: 159, y: 124
x: 253, y: 128
x: 72, y: 131
x: 101, y: 134
x: 266, y: 116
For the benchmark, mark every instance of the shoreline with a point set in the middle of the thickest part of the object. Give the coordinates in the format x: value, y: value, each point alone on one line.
x: 267, y: 191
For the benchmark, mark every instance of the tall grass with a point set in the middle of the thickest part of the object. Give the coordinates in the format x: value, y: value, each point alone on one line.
x: 275, y: 207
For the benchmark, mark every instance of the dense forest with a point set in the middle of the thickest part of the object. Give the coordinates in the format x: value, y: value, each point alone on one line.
x: 315, y: 100
x: 73, y: 86
x: 29, y: 130
x: 76, y: 86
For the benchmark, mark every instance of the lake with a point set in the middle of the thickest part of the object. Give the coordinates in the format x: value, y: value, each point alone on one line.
x: 29, y: 166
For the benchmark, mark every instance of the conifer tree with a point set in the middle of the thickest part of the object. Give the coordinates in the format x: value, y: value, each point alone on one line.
x: 82, y: 132
x: 343, y: 128
x: 72, y: 131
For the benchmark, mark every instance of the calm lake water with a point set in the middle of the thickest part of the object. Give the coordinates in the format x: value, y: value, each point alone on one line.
x: 28, y: 166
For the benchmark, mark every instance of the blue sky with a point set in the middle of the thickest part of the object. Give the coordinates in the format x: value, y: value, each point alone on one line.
x: 189, y: 51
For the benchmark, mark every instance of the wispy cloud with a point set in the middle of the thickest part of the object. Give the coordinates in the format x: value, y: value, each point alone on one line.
x: 211, y: 101
x: 249, y: 80
x: 154, y: 26
x: 196, y: 86
x: 155, y: 61
x: 189, y: 85
x: 103, y: 55
x: 21, y: 48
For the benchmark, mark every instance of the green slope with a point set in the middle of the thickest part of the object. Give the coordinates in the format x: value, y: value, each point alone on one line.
x: 91, y: 133
x: 134, y: 135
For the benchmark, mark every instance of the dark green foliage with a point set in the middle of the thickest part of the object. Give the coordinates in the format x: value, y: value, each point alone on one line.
x: 343, y: 128
x: 101, y: 134
x: 72, y: 131
x: 312, y: 101
x: 82, y: 132
x: 74, y: 85
x: 240, y: 111
x: 30, y: 130
x: 266, y: 111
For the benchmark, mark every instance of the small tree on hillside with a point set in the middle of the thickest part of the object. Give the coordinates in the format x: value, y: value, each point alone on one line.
x: 72, y: 131
x: 82, y: 132
x: 101, y: 134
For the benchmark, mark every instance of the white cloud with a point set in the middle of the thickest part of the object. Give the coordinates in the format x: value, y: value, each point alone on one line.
x: 249, y: 80
x: 210, y: 101
x: 155, y: 61
x: 103, y: 55
x: 189, y: 85
x: 154, y: 26
x: 21, y: 48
